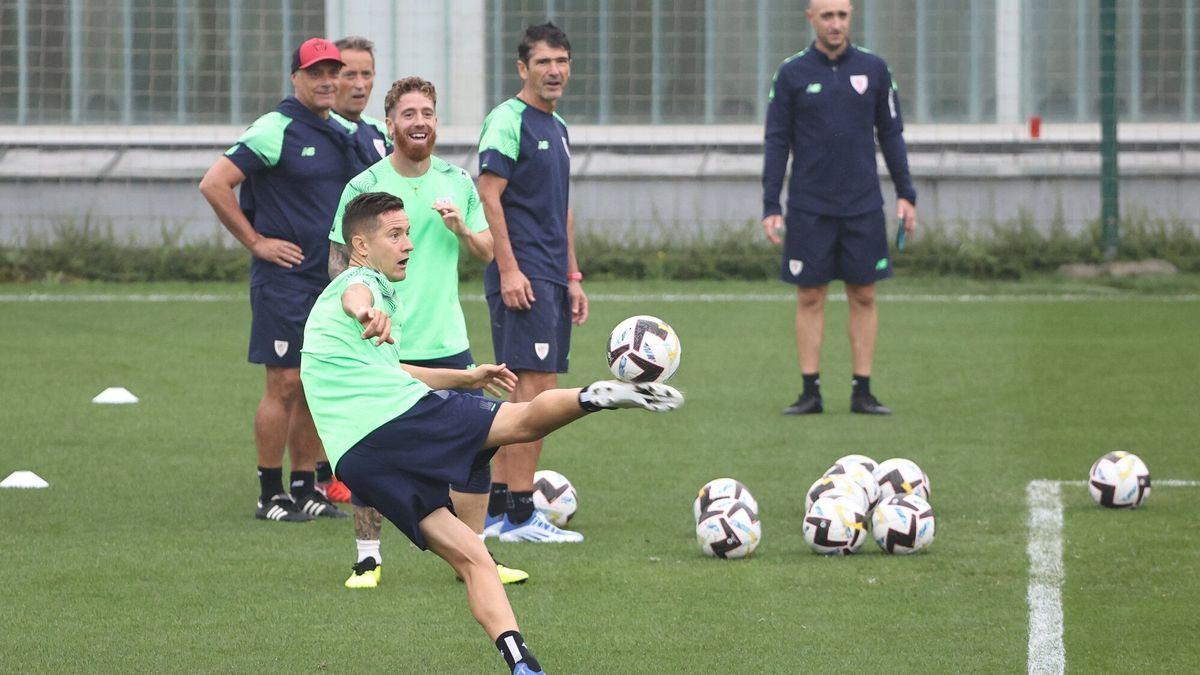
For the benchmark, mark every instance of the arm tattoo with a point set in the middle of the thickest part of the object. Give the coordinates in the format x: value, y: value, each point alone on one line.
x: 367, y: 523
x: 339, y: 259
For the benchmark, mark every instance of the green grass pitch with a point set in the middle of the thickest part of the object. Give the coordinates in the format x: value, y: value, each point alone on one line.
x: 143, y: 555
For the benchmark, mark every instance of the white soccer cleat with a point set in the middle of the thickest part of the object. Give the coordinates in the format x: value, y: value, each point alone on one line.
x: 538, y: 529
x: 653, y: 396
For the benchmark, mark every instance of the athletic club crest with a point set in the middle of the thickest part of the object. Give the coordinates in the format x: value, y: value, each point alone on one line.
x: 859, y: 82
x: 281, y: 347
x: 795, y: 266
x: 542, y: 349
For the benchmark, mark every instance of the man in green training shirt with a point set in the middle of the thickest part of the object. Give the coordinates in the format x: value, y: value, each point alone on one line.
x: 398, y: 435
x: 445, y: 215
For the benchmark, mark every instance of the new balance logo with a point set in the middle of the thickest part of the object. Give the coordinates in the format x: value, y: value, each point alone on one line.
x: 543, y: 145
x: 308, y: 151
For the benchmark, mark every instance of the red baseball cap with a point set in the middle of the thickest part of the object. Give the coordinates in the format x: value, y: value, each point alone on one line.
x: 315, y: 50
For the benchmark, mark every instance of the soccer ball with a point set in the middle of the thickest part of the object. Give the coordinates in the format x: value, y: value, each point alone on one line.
x: 1119, y: 480
x: 854, y: 459
x: 728, y: 529
x: 835, y: 525
x: 836, y: 484
x: 643, y: 349
x: 555, y: 497
x: 901, y: 476
x: 903, y: 524
x: 722, y: 488
x: 861, y: 475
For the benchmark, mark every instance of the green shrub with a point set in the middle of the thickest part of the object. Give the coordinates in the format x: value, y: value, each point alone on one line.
x: 1006, y: 250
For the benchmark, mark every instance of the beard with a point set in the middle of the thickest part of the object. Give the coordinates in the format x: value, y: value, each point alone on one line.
x: 414, y: 151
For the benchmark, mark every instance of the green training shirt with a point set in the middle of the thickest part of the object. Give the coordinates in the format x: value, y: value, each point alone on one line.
x: 352, y: 386
x: 430, y: 311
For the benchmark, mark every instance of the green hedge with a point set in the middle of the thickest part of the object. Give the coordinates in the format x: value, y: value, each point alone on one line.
x: 1000, y: 251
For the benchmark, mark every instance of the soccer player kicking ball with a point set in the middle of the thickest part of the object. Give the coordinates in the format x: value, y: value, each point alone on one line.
x: 398, y: 438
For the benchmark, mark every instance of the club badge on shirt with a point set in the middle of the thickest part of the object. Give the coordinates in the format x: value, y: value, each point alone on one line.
x: 859, y: 82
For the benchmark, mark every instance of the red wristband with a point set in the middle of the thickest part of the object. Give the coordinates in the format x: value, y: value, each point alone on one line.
x: 575, y: 276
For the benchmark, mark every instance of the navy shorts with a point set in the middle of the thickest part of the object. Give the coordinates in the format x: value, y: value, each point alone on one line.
x: 277, y: 317
x: 480, y: 480
x: 818, y: 249
x: 537, y: 339
x: 404, y: 468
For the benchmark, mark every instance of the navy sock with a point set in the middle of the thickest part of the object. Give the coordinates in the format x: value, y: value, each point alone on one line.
x: 270, y: 482
x: 302, y: 484
x: 862, y: 385
x: 512, y: 648
x: 498, y: 500
x: 812, y: 384
x: 324, y: 472
x: 522, y: 506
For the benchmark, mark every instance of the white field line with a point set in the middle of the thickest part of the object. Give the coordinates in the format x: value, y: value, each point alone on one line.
x: 1045, y: 549
x: 656, y: 297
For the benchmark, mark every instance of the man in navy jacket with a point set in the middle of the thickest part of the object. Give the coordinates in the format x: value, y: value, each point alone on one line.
x: 828, y: 104
x: 291, y: 164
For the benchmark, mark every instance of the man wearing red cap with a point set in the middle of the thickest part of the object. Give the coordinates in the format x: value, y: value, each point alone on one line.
x: 293, y: 162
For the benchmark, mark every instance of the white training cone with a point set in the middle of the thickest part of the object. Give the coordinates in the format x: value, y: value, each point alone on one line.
x: 115, y: 395
x: 23, y: 479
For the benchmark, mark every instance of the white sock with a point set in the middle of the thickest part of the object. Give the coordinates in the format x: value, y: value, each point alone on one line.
x: 368, y: 548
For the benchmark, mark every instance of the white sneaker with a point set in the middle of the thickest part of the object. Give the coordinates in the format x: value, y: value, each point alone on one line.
x: 538, y: 529
x: 492, y: 525
x: 652, y: 396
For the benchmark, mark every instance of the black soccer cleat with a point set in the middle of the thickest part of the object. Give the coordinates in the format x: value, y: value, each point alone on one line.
x: 806, y: 404
x: 318, y: 505
x: 283, y: 508
x: 866, y: 404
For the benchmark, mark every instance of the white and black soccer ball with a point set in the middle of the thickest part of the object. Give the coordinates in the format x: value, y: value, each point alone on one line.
x: 722, y: 488
x: 903, y: 524
x: 836, y: 484
x: 728, y: 529
x: 643, y: 349
x: 555, y: 497
x: 856, y: 459
x: 1119, y: 480
x: 835, y: 525
x: 901, y: 476
x: 861, y: 475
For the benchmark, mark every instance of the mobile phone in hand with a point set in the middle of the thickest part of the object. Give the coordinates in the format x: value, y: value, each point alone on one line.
x: 901, y: 234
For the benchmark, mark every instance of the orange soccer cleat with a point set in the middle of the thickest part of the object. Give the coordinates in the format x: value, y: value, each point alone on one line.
x: 336, y: 491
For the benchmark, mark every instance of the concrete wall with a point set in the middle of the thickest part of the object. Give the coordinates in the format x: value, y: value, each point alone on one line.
x: 627, y: 181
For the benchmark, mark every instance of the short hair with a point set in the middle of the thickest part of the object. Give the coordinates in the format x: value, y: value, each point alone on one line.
x: 405, y: 86
x: 362, y: 213
x: 356, y: 42
x: 547, y: 32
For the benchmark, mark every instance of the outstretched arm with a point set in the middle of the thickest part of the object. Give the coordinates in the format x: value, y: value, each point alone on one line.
x: 495, y: 380
x: 358, y: 302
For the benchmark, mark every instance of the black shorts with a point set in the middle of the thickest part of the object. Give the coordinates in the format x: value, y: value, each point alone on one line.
x: 404, y: 468
x: 277, y: 317
x: 480, y: 480
x: 537, y: 339
x: 818, y: 249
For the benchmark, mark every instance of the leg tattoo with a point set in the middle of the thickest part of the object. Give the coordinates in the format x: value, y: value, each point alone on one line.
x: 367, y: 523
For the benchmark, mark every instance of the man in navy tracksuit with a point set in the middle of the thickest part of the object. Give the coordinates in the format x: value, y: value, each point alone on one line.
x: 827, y: 104
x: 291, y: 164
